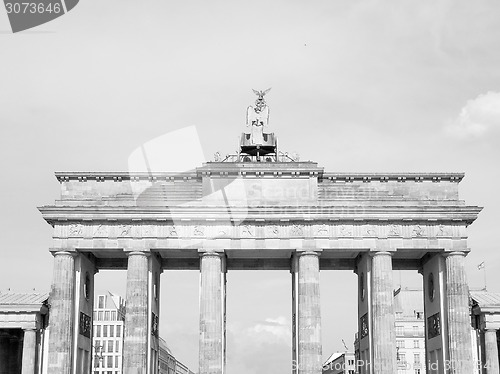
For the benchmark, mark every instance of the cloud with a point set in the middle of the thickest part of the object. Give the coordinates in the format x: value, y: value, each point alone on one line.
x: 477, y: 117
x: 277, y: 329
x: 261, y: 348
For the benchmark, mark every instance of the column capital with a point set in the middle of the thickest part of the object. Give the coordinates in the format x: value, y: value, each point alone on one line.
x: 65, y: 253
x: 455, y: 253
x: 490, y: 329
x: 380, y: 253
x: 211, y: 252
x: 138, y: 253
x: 309, y: 252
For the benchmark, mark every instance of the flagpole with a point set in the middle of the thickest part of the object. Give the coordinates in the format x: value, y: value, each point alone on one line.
x: 484, y: 270
x: 482, y: 266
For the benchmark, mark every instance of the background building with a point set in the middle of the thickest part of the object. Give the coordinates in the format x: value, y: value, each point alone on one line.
x: 168, y: 363
x: 410, y: 333
x: 107, y: 340
x: 23, y: 331
x: 340, y: 363
x: 167, y: 360
x: 485, y: 308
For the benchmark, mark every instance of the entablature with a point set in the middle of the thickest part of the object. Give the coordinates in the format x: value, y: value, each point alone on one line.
x: 431, y: 214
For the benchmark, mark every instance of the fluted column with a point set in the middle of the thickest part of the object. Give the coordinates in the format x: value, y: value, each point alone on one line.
x: 211, y: 314
x: 491, y: 350
x: 309, y: 314
x: 384, y: 338
x: 135, y: 345
x: 457, y: 295
x: 62, y: 314
x: 29, y: 351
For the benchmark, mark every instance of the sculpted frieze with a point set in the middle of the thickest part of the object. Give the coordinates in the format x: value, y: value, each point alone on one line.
x: 370, y: 230
x: 297, y: 230
x: 124, y: 231
x: 345, y: 231
x: 418, y: 231
x: 247, y: 231
x: 394, y: 230
x: 172, y: 231
x: 75, y: 229
x: 322, y: 230
x: 199, y: 230
x: 222, y: 231
x: 100, y: 231
x: 273, y: 230
x: 442, y: 230
x: 149, y: 231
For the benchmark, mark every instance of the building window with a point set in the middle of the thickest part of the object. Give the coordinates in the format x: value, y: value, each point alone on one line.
x: 105, y: 331
x: 118, y: 331
x: 400, y: 343
x: 106, y: 315
x: 99, y: 316
x: 110, y: 362
x: 416, y: 358
x: 102, y: 302
x: 416, y: 344
x: 98, y: 331
x: 113, y: 315
x: 111, y: 331
x: 117, y: 346
x: 110, y: 346
x: 400, y: 330
x: 402, y: 357
x: 116, y: 362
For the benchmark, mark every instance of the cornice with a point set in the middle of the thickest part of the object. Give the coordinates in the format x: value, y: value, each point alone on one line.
x: 454, y: 214
x: 274, y: 170
x: 398, y: 177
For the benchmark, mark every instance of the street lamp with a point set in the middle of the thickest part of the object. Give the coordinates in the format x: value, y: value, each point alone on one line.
x: 98, y: 357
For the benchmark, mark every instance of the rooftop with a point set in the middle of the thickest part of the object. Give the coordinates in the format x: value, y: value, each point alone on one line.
x: 486, y: 299
x: 18, y: 298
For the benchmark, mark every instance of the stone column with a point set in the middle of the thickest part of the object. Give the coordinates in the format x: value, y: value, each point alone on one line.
x: 309, y: 314
x: 211, y: 314
x: 29, y: 351
x: 459, y: 328
x: 384, y: 336
x: 4, y: 352
x: 491, y: 348
x: 62, y: 307
x: 135, y: 345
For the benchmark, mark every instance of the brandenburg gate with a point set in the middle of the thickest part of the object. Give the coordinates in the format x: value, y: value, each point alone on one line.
x: 260, y: 209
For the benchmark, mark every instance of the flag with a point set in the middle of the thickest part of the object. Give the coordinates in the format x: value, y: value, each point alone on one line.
x: 481, y: 266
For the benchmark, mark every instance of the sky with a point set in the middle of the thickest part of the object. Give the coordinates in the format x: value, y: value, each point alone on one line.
x: 373, y: 86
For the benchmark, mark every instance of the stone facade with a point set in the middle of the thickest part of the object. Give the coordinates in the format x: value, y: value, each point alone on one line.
x: 266, y: 215
x: 486, y: 322
x: 23, y: 330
